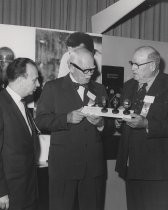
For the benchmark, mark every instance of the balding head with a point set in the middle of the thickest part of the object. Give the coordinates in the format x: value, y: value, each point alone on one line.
x: 145, y: 63
x: 149, y: 53
x: 6, y: 57
x: 6, y: 54
x: 81, y: 65
x: 82, y: 56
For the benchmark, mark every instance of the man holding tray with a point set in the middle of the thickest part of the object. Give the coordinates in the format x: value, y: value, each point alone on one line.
x: 143, y: 153
x: 76, y: 163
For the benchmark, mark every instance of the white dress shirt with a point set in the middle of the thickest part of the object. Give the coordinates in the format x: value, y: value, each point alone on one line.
x: 17, y: 100
x: 80, y: 90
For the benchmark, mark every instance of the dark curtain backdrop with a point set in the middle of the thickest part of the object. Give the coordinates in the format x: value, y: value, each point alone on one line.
x: 148, y: 21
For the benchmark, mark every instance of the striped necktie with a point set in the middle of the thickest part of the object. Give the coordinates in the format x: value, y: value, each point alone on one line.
x: 138, y: 100
x: 30, y: 119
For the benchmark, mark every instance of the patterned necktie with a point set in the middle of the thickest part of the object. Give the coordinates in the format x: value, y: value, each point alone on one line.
x: 30, y: 119
x: 138, y: 100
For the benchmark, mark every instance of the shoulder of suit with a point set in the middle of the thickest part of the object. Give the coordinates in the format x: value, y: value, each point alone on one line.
x: 164, y: 76
x: 2, y: 93
x: 96, y: 84
x: 163, y: 79
x: 130, y: 82
x: 54, y: 82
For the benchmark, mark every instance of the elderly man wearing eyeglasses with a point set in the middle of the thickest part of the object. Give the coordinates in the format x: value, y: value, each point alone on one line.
x: 76, y: 163
x: 143, y: 152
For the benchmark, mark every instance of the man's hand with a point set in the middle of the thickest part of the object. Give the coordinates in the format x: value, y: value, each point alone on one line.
x: 4, y: 202
x: 137, y: 121
x: 75, y: 116
x: 95, y: 120
x: 118, y: 123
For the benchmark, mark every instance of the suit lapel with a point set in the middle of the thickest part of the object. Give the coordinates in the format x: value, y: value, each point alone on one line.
x: 71, y: 95
x: 155, y: 90
x: 91, y: 88
x: 15, y: 110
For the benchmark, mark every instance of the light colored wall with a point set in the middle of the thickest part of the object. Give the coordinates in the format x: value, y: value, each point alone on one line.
x: 20, y: 39
x: 118, y: 51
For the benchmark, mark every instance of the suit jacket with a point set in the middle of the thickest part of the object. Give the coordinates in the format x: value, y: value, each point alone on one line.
x: 74, y: 147
x: 146, y: 153
x: 17, y: 156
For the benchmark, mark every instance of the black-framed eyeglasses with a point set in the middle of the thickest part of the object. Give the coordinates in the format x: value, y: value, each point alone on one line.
x: 138, y: 65
x: 85, y: 71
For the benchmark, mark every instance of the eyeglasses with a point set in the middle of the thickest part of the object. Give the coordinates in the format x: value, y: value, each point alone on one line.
x: 138, y: 65
x: 85, y: 71
x: 6, y: 61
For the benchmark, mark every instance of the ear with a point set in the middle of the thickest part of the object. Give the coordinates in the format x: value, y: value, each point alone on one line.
x: 153, y: 66
x: 22, y: 78
x: 71, y: 68
x: 68, y: 63
x: 19, y: 80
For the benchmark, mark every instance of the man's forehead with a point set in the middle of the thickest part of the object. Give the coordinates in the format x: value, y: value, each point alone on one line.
x: 141, y: 55
x: 82, y: 57
x: 143, y: 52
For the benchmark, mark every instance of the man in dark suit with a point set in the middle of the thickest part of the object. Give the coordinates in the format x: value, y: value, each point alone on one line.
x: 143, y: 152
x: 76, y: 163
x: 18, y: 184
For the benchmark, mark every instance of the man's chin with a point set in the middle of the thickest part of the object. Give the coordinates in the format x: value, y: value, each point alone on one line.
x: 87, y: 80
x: 135, y: 77
x: 31, y: 93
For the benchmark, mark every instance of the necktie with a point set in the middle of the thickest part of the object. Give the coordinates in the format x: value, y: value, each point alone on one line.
x: 139, y: 97
x: 30, y: 119
x: 77, y: 85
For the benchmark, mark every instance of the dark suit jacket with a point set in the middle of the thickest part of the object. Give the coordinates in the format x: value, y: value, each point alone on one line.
x: 74, y: 147
x: 147, y: 152
x: 17, y: 164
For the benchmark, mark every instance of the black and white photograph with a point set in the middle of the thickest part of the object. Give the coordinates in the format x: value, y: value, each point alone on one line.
x: 83, y: 105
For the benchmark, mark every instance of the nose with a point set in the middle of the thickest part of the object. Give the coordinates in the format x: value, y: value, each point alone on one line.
x: 134, y: 67
x: 2, y: 64
x: 90, y: 73
x: 88, y: 76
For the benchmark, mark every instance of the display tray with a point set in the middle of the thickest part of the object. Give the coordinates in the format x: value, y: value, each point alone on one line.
x: 91, y: 110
